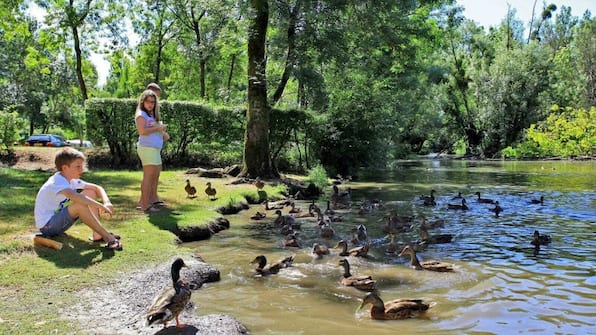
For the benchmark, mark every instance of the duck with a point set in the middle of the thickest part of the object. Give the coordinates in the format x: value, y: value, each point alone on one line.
x: 259, y: 183
x: 171, y: 300
x: 538, y: 201
x: 497, y: 209
x: 431, y: 224
x: 392, y: 247
x: 273, y: 205
x: 540, y: 239
x: 397, y: 309
x: 429, y: 200
x: 484, y: 200
x: 294, y: 209
x: 258, y: 216
x: 360, y: 233
x: 429, y: 265
x: 210, y: 191
x: 457, y: 196
x: 362, y: 282
x: 326, y: 231
x: 291, y: 240
x: 191, y: 191
x: 265, y: 269
x: 361, y: 251
x: 434, y: 239
x: 319, y: 250
x: 463, y: 205
x: 341, y: 197
x: 285, y: 220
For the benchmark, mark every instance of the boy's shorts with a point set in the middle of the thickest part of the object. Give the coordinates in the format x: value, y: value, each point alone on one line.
x: 58, y: 224
x: 148, y: 155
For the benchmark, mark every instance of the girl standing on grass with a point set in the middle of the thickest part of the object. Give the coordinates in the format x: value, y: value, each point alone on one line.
x: 152, y: 134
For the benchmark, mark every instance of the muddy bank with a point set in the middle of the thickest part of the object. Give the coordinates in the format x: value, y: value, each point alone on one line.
x: 121, y: 308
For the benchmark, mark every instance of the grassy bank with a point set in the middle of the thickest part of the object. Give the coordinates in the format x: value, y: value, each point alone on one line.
x: 36, y: 283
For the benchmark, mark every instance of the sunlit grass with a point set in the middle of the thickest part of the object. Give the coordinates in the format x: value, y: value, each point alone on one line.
x: 32, y: 275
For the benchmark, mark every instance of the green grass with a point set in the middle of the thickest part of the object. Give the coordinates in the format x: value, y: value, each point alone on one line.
x: 36, y: 281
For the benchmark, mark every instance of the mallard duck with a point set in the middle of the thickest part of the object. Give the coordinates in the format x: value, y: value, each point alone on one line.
x: 395, y: 309
x: 329, y: 211
x: 497, y: 209
x: 313, y: 208
x: 463, y: 205
x: 259, y: 183
x: 361, y: 251
x: 360, y: 233
x: 484, y: 200
x: 319, y: 250
x: 539, y: 239
x: 326, y: 231
x: 172, y: 299
x: 210, y: 191
x: 429, y: 200
x: 265, y: 269
x: 458, y: 196
x: 429, y: 265
x: 362, y: 282
x: 341, y: 197
x: 392, y: 247
x: 258, y: 216
x: 291, y: 240
x: 191, y: 191
x: 294, y: 209
x: 431, y: 224
x: 285, y: 220
x: 434, y: 239
x: 538, y: 201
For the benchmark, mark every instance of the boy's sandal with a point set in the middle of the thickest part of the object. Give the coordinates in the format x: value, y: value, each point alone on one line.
x: 116, y: 236
x: 114, y: 245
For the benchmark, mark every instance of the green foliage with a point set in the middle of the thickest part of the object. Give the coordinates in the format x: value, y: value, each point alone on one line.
x: 10, y: 125
x: 318, y: 176
x: 565, y: 133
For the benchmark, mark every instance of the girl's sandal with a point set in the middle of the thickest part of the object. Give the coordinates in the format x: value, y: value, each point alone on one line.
x: 151, y: 209
x: 114, y: 245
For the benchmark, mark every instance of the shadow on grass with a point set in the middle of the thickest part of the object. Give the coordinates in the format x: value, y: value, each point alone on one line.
x: 165, y: 219
x: 75, y: 253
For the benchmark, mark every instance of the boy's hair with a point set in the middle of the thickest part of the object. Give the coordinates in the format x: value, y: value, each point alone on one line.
x: 154, y: 87
x: 67, y: 156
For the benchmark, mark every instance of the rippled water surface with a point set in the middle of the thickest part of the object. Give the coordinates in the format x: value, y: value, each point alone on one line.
x: 501, y: 284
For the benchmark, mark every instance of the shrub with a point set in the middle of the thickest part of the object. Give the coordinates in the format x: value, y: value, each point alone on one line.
x: 318, y: 177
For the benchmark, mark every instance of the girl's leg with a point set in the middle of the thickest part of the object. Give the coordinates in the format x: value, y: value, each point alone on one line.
x: 149, y: 175
x: 155, y: 182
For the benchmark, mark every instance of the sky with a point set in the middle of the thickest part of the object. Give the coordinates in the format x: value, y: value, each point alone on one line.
x: 489, y: 13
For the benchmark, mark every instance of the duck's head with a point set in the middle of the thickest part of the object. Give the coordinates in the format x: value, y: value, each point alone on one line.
x: 278, y: 212
x: 176, y: 266
x: 260, y: 260
x: 371, y: 298
x: 344, y: 262
x: 406, y: 251
x: 342, y: 244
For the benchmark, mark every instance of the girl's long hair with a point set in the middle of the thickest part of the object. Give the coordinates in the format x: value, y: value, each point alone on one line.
x: 145, y: 95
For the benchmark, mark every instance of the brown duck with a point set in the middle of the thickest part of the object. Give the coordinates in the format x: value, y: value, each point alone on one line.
x: 361, y: 251
x: 429, y: 265
x: 362, y: 282
x: 265, y: 269
x: 191, y: 191
x: 395, y: 309
x: 210, y: 191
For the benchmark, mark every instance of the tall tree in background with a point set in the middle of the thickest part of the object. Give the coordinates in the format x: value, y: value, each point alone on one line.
x: 257, y: 160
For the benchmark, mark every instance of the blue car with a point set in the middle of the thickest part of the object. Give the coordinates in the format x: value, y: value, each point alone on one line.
x: 46, y: 140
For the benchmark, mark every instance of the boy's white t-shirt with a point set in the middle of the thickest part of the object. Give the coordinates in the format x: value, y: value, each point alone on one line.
x: 50, y: 201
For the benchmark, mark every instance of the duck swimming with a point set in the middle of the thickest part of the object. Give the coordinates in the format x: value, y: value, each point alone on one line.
x: 363, y: 282
x: 539, y: 239
x: 397, y: 309
x: 361, y: 251
x: 429, y: 265
x: 484, y: 200
x: 463, y: 205
x: 265, y: 269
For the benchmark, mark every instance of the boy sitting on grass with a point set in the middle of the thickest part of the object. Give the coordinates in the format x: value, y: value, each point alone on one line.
x: 64, y: 198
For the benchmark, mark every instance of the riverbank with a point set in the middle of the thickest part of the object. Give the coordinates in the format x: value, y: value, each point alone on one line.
x: 86, y: 289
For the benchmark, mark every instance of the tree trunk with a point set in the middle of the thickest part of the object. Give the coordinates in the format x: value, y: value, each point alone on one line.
x: 290, y: 53
x: 257, y: 161
x: 78, y: 54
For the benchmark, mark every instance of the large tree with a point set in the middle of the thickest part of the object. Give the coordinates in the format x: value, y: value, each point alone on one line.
x: 257, y: 160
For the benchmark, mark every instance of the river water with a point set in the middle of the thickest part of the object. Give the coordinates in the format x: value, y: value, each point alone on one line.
x: 501, y: 284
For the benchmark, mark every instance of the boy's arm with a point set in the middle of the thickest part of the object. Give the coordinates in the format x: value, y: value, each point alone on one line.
x: 105, y: 205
